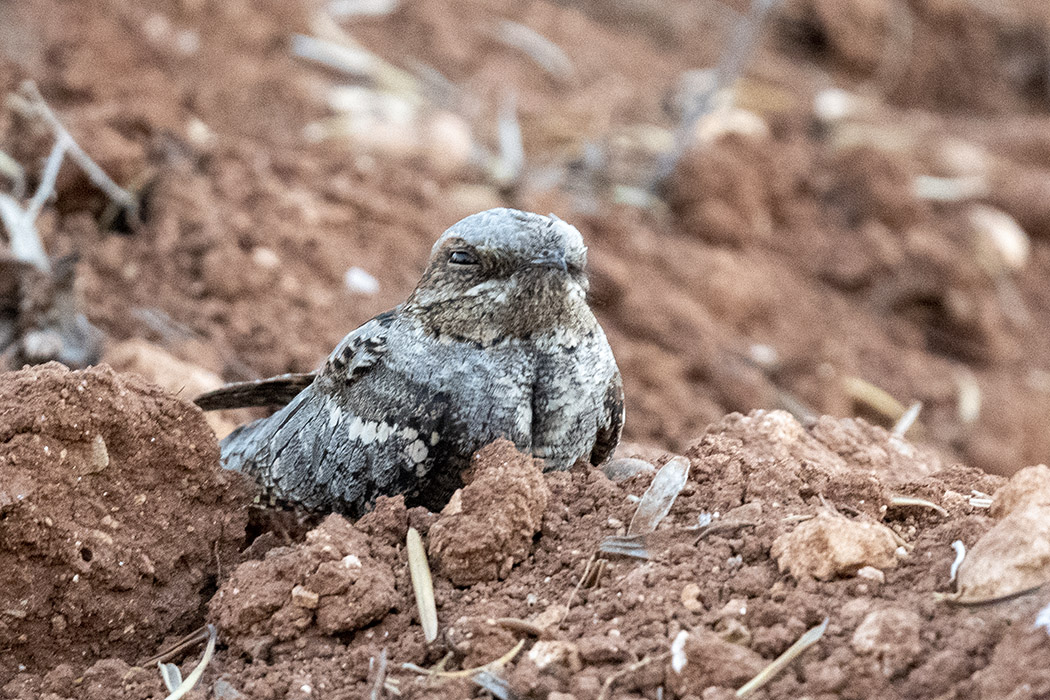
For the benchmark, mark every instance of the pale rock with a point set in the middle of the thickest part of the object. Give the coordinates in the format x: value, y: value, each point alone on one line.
x: 892, y: 636
x: 1030, y: 486
x: 831, y: 545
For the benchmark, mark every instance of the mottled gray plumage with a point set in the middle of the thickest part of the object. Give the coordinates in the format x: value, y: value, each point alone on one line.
x: 497, y: 340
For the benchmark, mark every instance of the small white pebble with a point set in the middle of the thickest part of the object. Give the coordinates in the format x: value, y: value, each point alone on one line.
x: 872, y: 574
x: 265, y: 258
x: 833, y: 104
x: 678, y: 657
x: 358, y: 281
x: 1043, y: 619
x: 960, y: 554
x: 187, y: 42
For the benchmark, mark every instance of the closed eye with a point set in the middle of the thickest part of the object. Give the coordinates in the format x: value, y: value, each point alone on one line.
x: 462, y: 257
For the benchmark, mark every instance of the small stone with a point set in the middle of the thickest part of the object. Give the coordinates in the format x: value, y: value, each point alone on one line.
x: 1029, y: 486
x: 265, y: 258
x: 305, y: 598
x: 691, y: 598
x: 99, y: 455
x: 1012, y: 557
x: 831, y: 545
x: 624, y: 468
x: 872, y: 574
x: 358, y: 281
x: 555, y: 652
x: 892, y: 635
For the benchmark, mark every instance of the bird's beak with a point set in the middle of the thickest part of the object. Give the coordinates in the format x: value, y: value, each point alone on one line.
x: 553, y: 259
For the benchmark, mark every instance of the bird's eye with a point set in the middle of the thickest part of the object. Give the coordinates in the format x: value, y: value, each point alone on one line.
x: 462, y: 257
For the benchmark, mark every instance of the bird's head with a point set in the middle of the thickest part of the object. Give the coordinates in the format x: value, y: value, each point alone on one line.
x: 504, y: 273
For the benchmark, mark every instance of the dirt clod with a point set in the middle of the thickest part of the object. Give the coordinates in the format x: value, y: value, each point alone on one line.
x: 891, y: 636
x: 1012, y: 557
x: 832, y: 545
x: 328, y: 584
x: 712, y: 661
x: 1030, y: 486
x: 113, y: 511
x: 494, y: 519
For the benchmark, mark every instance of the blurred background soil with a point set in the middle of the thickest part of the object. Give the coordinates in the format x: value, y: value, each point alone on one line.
x: 862, y: 223
x: 851, y: 217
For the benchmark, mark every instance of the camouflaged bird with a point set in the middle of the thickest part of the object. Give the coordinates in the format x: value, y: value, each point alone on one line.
x: 497, y: 340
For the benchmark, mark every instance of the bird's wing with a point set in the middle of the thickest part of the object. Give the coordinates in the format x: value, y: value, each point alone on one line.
x: 355, y: 353
x: 608, y: 436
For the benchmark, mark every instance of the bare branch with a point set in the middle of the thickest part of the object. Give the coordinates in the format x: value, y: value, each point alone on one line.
x: 46, y: 188
x: 731, y: 65
x: 95, y: 174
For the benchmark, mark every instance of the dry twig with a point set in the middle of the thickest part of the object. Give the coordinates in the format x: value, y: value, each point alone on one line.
x: 95, y: 174
x: 380, y: 681
x: 811, y: 637
x: 173, y: 677
x: 468, y: 672
x: 730, y: 67
x: 904, y: 501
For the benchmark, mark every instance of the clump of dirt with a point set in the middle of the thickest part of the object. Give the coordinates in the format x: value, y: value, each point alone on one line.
x: 329, y: 585
x: 830, y: 545
x: 114, y: 515
x: 1014, y: 556
x: 489, y: 525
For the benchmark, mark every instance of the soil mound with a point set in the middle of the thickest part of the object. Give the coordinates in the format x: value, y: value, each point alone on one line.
x: 114, y: 516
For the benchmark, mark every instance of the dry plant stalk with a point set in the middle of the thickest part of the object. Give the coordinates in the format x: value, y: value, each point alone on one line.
x: 879, y: 400
x: 173, y: 677
x: 730, y: 68
x: 811, y: 637
x: 468, y: 672
x: 905, y: 501
x: 422, y: 584
x: 907, y: 420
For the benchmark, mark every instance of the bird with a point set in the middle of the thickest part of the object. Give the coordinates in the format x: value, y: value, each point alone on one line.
x: 497, y: 340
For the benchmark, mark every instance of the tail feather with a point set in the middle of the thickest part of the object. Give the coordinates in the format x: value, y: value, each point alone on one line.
x: 275, y: 391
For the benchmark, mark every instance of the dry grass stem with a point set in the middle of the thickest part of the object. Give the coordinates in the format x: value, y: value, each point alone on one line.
x: 873, y: 397
x: 720, y: 527
x: 907, y: 420
x: 544, y: 52
x: 811, y: 637
x: 731, y: 64
x: 625, y: 546
x: 907, y: 501
x: 611, y: 680
x: 960, y: 555
x: 185, y: 686
x: 380, y: 681
x: 95, y: 174
x: 468, y: 672
x: 193, y: 638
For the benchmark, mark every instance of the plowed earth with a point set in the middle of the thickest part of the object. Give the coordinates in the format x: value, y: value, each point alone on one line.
x: 813, y: 244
